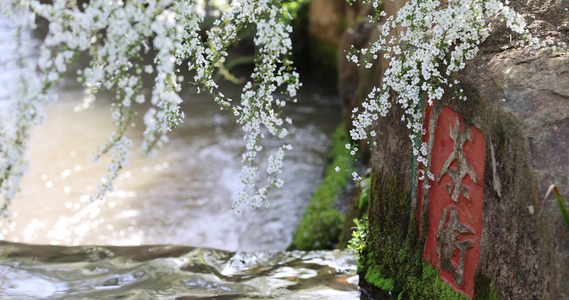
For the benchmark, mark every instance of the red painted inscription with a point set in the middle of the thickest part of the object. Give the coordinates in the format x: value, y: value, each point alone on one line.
x: 455, y: 201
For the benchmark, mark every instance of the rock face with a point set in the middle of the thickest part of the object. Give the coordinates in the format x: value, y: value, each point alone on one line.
x: 327, y: 20
x: 519, y: 101
x: 525, y: 113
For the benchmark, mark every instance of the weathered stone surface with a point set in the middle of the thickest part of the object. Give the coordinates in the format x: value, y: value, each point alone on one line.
x: 525, y: 249
x: 536, y: 90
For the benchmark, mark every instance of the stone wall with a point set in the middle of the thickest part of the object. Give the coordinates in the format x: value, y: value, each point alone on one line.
x: 519, y: 101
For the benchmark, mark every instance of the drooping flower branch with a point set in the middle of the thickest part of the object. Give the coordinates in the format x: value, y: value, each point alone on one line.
x: 25, y: 109
x: 118, y: 35
x: 436, y: 40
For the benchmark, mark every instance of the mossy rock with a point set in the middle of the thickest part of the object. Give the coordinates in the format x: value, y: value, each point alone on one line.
x: 321, y: 224
x: 393, y: 259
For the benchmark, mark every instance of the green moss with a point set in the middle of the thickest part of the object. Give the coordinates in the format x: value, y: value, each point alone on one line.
x: 321, y: 224
x: 364, y: 197
x: 493, y: 295
x: 408, y: 276
x: 484, y: 289
x: 325, y: 54
x: 393, y: 258
x: 353, y: 213
x: 432, y: 285
x: 374, y: 276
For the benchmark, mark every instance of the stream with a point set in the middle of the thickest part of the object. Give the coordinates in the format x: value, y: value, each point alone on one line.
x: 167, y: 230
x: 172, y: 272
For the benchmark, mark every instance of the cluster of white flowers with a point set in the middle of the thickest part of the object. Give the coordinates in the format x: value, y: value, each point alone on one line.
x: 437, y: 39
x: 119, y: 36
x: 27, y: 99
x: 259, y: 110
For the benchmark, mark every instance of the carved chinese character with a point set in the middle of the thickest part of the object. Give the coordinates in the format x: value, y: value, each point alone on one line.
x: 455, y: 200
x: 448, y: 238
x: 463, y: 168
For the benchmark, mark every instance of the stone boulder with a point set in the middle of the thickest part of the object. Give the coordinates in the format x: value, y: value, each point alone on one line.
x: 523, y: 109
x: 487, y: 227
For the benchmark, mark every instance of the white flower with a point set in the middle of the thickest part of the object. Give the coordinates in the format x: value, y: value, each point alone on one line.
x: 175, y: 29
x: 436, y: 41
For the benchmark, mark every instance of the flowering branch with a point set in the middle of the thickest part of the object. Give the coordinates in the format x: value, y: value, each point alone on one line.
x: 436, y: 41
x: 117, y: 34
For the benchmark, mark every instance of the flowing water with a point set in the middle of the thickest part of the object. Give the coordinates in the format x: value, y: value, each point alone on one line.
x: 172, y: 272
x: 182, y: 196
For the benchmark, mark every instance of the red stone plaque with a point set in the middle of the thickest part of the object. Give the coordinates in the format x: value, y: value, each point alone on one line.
x: 455, y: 201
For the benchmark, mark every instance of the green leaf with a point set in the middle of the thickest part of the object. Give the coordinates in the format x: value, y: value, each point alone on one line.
x: 562, y: 206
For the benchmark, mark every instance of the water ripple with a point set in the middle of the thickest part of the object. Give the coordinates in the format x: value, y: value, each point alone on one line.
x: 172, y: 272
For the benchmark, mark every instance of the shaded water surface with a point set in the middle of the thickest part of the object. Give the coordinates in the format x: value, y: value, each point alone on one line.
x: 181, y: 196
x: 172, y: 272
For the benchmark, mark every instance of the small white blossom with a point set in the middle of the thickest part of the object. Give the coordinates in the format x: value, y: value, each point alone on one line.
x: 435, y: 42
x: 175, y: 29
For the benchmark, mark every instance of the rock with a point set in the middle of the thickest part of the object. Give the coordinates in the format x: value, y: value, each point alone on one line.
x: 519, y: 100
x: 525, y: 101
